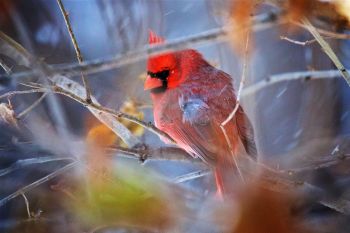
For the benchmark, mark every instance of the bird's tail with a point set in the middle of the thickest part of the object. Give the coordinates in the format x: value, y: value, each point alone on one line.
x: 225, y: 178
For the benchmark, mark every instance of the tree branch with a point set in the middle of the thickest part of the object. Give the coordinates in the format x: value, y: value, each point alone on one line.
x: 27, y: 162
x: 14, y: 50
x: 307, y: 75
x: 261, y: 22
x: 38, y: 182
x: 76, y: 47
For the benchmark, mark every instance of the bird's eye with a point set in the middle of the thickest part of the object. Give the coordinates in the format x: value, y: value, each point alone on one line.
x: 162, y: 75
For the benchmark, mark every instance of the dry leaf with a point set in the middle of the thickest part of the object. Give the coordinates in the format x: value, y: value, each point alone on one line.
x: 343, y: 7
x: 241, y: 16
x: 254, y: 209
x: 7, y: 115
x: 297, y: 9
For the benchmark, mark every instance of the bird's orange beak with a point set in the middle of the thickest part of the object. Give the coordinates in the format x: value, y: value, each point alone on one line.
x: 152, y: 83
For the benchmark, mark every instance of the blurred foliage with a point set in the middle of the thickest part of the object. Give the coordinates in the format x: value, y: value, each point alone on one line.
x: 255, y: 209
x: 127, y: 198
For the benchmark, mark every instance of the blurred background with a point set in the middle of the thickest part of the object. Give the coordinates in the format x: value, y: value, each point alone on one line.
x: 295, y: 121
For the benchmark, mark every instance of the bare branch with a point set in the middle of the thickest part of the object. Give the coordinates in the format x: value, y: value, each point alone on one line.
x: 37, y: 183
x: 307, y: 75
x: 323, y: 162
x: 328, y: 50
x: 66, y: 90
x: 15, y: 50
x: 191, y: 176
x: 27, y: 205
x: 32, y: 106
x: 27, y: 162
x: 76, y: 47
x: 11, y: 93
x: 261, y: 22
x: 303, y: 43
x: 232, y: 114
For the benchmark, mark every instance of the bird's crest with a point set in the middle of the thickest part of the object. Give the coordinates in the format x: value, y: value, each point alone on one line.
x: 154, y: 38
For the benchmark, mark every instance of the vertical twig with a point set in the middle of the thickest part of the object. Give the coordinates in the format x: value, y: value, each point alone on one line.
x: 77, y: 49
x: 232, y: 114
x: 327, y: 49
x: 27, y: 205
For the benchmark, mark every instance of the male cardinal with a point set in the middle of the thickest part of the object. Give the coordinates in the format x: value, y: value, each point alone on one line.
x: 191, y: 99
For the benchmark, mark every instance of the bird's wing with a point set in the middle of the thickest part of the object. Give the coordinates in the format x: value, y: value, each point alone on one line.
x: 194, y: 127
x: 246, y: 132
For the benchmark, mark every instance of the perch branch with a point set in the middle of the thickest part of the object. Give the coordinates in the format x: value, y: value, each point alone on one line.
x: 159, y: 154
x: 94, y: 105
x: 76, y: 48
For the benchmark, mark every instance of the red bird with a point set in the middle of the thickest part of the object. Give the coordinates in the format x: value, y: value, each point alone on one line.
x: 191, y: 99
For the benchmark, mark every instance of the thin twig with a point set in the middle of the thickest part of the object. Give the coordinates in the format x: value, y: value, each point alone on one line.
x: 327, y: 49
x: 329, y: 34
x: 38, y: 182
x: 32, y: 106
x: 232, y: 114
x: 27, y: 205
x: 303, y: 43
x: 191, y: 176
x: 11, y: 93
x: 76, y: 47
x: 27, y: 162
x: 5, y: 67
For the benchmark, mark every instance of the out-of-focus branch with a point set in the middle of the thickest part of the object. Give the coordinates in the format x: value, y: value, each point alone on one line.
x: 303, y: 75
x: 76, y: 48
x: 38, y: 182
x: 324, y: 162
x: 261, y: 22
x: 14, y: 50
x: 32, y: 106
x: 327, y: 49
x: 191, y: 176
x: 27, y: 162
